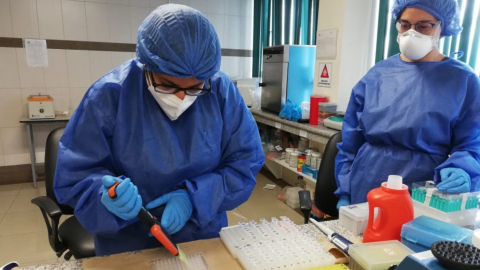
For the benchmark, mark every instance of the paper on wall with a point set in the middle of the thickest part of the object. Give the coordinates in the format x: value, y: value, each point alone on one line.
x: 327, y: 44
x: 36, y: 50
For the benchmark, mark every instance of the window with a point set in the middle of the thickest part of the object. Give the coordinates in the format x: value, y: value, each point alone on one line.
x: 468, y: 41
x: 278, y: 22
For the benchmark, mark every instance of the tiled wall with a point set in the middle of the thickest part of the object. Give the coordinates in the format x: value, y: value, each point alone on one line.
x: 71, y: 72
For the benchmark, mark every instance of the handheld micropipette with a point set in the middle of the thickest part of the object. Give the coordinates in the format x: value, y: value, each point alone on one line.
x: 339, y: 241
x: 156, y: 228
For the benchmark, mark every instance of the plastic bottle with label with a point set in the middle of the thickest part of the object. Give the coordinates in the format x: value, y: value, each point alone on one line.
x: 395, y: 208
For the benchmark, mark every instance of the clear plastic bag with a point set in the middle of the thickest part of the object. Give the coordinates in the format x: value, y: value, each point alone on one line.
x: 256, y: 95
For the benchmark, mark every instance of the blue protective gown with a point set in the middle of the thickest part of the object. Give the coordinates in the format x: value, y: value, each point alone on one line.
x: 213, y: 150
x: 406, y: 119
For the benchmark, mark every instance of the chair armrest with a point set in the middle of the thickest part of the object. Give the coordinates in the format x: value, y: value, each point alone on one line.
x: 49, y: 206
x: 51, y: 212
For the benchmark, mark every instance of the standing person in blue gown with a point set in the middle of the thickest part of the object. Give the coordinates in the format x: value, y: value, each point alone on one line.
x: 415, y: 114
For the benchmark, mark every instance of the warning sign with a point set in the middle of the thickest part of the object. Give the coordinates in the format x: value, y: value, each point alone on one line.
x: 324, y: 74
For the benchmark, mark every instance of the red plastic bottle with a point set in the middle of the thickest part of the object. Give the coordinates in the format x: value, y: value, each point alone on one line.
x: 314, y: 100
x: 395, y: 208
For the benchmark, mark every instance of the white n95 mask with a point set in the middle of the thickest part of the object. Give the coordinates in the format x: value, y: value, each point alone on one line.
x: 172, y: 105
x: 415, y: 45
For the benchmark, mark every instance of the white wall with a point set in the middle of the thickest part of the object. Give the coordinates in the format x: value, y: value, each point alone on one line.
x: 356, y: 21
x: 330, y: 16
x: 71, y: 72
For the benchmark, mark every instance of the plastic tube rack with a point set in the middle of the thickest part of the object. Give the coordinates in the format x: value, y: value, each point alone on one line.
x: 427, y: 193
x: 279, y: 244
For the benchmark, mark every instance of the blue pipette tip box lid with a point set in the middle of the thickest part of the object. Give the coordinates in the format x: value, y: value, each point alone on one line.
x: 420, y: 233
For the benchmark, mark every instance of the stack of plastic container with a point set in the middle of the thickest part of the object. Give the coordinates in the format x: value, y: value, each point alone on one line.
x: 279, y: 244
x: 354, y: 217
x: 292, y: 198
x: 459, y: 209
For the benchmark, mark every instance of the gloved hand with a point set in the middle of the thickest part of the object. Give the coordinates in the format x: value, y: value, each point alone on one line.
x: 454, y: 180
x: 177, y: 211
x: 127, y: 204
x: 344, y: 201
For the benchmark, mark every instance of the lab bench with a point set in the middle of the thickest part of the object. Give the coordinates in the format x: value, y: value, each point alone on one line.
x: 319, y: 134
x: 213, y: 250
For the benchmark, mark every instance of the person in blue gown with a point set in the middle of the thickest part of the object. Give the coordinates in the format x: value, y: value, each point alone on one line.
x: 415, y: 114
x: 171, y: 128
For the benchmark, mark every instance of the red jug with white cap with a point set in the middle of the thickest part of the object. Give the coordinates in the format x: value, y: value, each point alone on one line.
x: 395, y: 208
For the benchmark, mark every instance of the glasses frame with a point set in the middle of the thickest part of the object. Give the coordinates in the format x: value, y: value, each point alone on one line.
x: 399, y: 21
x: 202, y: 92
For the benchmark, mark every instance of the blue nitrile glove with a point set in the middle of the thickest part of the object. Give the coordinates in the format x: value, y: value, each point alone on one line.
x: 344, y: 201
x: 127, y: 204
x: 177, y: 211
x: 454, y: 180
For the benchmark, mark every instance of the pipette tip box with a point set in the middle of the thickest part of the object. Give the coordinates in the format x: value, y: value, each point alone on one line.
x: 420, y: 233
x: 377, y: 256
x: 279, y: 244
x: 355, y: 217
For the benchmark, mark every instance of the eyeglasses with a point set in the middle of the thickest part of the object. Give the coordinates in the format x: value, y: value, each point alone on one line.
x: 421, y: 27
x: 168, y: 89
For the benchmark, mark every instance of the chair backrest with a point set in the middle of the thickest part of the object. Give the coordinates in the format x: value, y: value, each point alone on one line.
x: 51, y: 152
x: 326, y: 185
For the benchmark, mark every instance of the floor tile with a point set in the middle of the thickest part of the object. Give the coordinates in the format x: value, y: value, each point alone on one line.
x: 22, y: 203
x: 10, y: 190
x: 25, y: 248
x: 27, y: 188
x: 260, y: 196
x: 267, y: 211
x: 262, y: 181
x: 23, y: 222
x: 5, y: 203
x: 51, y: 261
x: 235, y: 216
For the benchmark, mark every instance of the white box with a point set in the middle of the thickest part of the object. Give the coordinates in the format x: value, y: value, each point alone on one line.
x: 244, y: 85
x: 40, y: 107
x: 354, y: 217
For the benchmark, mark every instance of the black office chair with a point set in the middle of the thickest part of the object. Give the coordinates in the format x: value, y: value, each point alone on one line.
x: 70, y: 236
x: 326, y: 184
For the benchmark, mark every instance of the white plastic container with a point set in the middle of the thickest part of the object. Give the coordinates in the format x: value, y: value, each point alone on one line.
x: 288, y: 152
x: 377, y: 256
x: 461, y: 218
x: 293, y: 159
x: 308, y: 159
x: 354, y: 218
x: 315, y: 160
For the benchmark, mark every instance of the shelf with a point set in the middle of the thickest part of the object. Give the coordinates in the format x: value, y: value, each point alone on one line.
x: 284, y: 164
x: 319, y: 134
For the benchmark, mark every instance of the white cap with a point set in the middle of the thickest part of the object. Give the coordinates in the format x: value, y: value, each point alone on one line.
x: 394, y: 182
